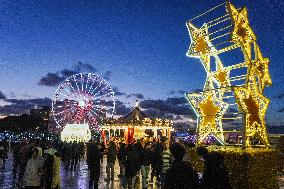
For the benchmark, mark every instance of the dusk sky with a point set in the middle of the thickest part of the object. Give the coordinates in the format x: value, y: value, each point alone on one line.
x: 139, y: 46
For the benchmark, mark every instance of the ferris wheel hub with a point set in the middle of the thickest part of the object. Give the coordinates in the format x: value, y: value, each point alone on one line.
x: 82, y: 104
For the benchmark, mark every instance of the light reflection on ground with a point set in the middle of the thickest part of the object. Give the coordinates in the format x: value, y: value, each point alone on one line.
x: 77, y: 179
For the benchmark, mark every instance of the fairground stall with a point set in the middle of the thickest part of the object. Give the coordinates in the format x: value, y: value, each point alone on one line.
x: 135, y: 125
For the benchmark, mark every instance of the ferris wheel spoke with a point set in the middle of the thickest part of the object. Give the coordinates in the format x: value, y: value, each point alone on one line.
x: 86, y: 87
x: 103, y: 95
x: 82, y: 83
x: 68, y: 97
x: 97, y: 87
x: 94, y: 112
x: 100, y: 109
x: 58, y: 113
x: 91, y: 87
x: 61, y: 119
x: 76, y: 82
x: 72, y: 94
x: 101, y: 90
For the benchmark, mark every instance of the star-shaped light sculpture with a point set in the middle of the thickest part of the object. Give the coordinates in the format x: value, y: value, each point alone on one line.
x: 222, y: 78
x: 200, y: 46
x: 261, y: 70
x: 209, y: 111
x: 242, y: 32
x: 253, y: 105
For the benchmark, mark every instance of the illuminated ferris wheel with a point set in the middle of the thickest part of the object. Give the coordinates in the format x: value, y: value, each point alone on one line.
x: 83, y: 99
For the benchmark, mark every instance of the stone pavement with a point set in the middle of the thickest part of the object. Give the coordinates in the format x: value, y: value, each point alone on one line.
x: 77, y: 179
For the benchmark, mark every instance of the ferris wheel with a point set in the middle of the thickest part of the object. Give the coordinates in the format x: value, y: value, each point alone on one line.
x: 83, y: 99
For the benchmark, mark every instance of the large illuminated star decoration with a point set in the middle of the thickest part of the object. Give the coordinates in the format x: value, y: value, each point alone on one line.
x: 222, y: 77
x: 261, y: 70
x: 209, y: 111
x: 200, y: 46
x: 253, y: 105
x: 242, y: 32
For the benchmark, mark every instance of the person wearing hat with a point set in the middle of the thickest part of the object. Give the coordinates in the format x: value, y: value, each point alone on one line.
x: 181, y: 174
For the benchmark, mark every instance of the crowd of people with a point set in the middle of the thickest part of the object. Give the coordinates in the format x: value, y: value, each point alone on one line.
x: 168, y: 163
x: 37, y: 164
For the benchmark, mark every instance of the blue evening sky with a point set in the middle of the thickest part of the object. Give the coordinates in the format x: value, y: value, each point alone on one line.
x: 142, y: 43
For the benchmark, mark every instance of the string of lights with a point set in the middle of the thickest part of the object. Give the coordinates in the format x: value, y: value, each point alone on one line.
x: 247, y: 94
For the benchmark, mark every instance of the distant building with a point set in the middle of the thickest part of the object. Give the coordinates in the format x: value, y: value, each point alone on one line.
x: 42, y: 112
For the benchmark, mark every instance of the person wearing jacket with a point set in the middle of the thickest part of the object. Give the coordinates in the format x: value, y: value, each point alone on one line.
x: 52, y: 168
x: 111, y: 157
x: 131, y: 165
x: 93, y: 161
x: 146, y: 160
x: 181, y: 174
x: 215, y: 174
x: 33, y: 171
x: 121, y: 156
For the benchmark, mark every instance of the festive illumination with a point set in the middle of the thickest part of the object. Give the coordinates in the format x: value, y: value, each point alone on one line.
x: 199, y: 47
x: 222, y: 90
x: 147, y: 121
x: 210, y: 111
x: 254, y: 105
x: 135, y: 125
x: 83, y: 98
x: 256, y: 167
x: 242, y: 32
x: 76, y: 132
x: 261, y: 69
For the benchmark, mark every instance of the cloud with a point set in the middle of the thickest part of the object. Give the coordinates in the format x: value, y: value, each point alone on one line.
x: 2, y: 96
x: 175, y: 106
x: 82, y: 67
x: 121, y: 109
x: 20, y: 106
x: 67, y: 73
x: 51, y: 79
x: 136, y: 95
x: 179, y: 92
x: 117, y: 92
x: 178, y: 117
x: 54, y: 79
x: 177, y: 100
x: 107, y: 75
x: 152, y: 113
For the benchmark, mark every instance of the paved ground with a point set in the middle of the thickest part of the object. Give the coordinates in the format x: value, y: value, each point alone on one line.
x: 77, y: 179
x: 70, y: 179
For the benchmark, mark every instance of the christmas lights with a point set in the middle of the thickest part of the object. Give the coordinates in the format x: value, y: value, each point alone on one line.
x: 209, y: 111
x: 242, y: 32
x: 247, y: 95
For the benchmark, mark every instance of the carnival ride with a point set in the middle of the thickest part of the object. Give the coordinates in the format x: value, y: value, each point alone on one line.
x: 82, y: 99
x: 233, y: 91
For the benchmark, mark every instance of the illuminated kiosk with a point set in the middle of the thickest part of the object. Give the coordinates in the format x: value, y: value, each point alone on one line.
x: 76, y: 132
x: 136, y: 125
